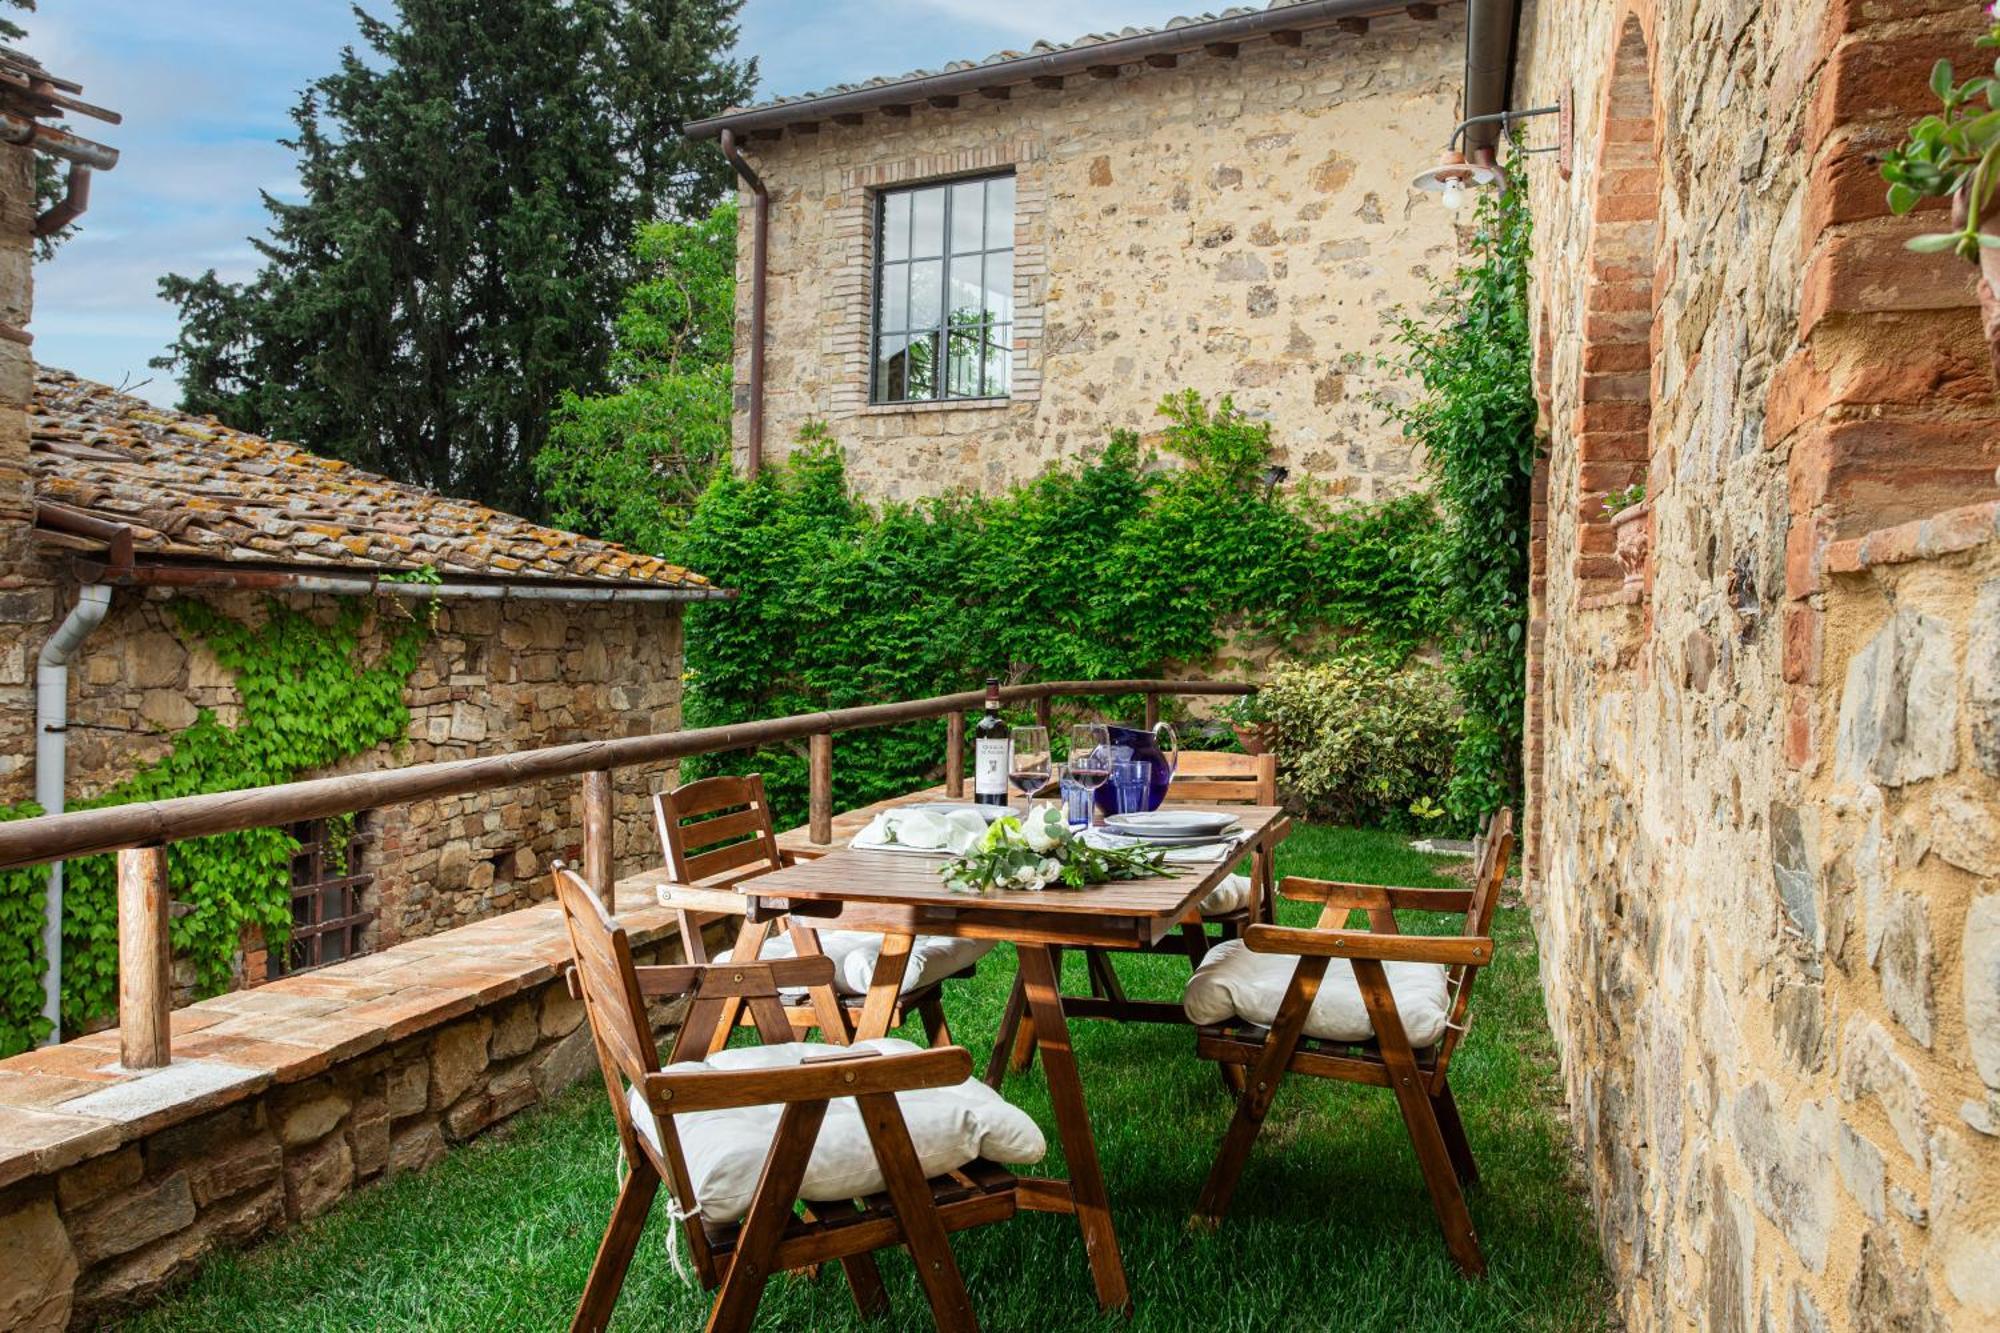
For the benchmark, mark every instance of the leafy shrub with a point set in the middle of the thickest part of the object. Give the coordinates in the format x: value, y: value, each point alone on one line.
x: 1124, y: 566
x: 1360, y: 739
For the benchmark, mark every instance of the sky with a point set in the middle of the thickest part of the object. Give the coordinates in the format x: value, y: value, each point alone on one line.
x: 205, y: 88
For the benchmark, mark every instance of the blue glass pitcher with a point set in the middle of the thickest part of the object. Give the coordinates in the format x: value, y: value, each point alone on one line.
x: 1159, y: 747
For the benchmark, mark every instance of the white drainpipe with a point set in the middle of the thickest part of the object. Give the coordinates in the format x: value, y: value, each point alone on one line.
x: 52, y: 767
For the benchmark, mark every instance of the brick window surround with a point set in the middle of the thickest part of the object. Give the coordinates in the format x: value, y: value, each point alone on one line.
x: 850, y: 314
x: 1614, y: 415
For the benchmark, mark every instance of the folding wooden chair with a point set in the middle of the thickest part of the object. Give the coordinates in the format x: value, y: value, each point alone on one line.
x: 774, y: 1234
x: 1206, y: 778
x: 1400, y: 1035
x: 717, y: 834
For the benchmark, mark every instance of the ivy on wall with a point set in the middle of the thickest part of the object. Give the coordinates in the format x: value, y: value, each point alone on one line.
x: 312, y: 695
x: 1128, y: 566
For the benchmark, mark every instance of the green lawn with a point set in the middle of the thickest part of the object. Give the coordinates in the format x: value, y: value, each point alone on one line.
x: 1331, y: 1228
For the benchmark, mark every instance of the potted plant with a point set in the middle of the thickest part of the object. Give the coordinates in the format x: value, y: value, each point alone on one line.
x: 1955, y: 154
x: 1632, y: 528
x: 1253, y: 727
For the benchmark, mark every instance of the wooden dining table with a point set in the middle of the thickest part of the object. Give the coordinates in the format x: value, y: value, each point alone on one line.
x: 901, y: 895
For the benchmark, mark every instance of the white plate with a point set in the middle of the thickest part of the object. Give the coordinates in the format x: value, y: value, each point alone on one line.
x: 1172, y: 824
x: 987, y: 812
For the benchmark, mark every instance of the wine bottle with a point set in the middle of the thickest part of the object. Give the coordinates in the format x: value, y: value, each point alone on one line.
x: 992, y: 751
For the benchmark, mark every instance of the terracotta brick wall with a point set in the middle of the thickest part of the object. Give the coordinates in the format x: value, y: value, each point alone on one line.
x: 1231, y: 225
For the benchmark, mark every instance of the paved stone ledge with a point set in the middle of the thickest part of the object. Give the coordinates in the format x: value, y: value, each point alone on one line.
x: 1943, y: 534
x: 279, y: 1102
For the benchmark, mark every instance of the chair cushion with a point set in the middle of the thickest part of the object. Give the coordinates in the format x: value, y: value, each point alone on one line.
x: 932, y: 957
x: 1233, y: 982
x: 725, y: 1150
x: 1226, y: 897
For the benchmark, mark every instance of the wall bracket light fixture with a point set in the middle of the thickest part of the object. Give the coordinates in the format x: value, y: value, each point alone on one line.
x: 1454, y: 174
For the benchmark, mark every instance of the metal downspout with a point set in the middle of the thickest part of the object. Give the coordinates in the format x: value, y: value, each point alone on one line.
x: 52, y: 767
x: 1489, y: 72
x: 759, y: 260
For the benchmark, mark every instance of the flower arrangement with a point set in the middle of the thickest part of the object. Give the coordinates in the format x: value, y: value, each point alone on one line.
x: 1040, y: 851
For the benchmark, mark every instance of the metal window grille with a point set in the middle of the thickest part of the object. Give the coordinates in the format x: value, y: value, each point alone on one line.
x: 944, y: 291
x: 330, y: 911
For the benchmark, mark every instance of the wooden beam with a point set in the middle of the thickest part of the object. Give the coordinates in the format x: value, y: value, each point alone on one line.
x: 1165, y: 60
x: 1424, y: 12
x: 999, y: 94
x: 849, y: 118
x: 145, y: 959
x: 1221, y: 50
x: 1042, y: 710
x: 899, y: 110
x: 1356, y: 26
x: 598, y: 822
x: 1052, y: 82
x: 954, y: 755
x: 769, y: 135
x: 804, y: 127
x: 945, y: 103
x: 820, y: 789
x: 1152, y: 711
x: 1288, y: 37
x: 1104, y: 71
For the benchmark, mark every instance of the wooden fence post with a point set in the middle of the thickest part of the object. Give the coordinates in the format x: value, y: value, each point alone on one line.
x: 1152, y: 710
x: 820, y: 796
x: 954, y: 755
x: 598, y: 822
x: 1043, y: 707
x: 145, y: 959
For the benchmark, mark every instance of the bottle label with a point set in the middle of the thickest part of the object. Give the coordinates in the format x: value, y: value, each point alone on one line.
x: 989, y: 768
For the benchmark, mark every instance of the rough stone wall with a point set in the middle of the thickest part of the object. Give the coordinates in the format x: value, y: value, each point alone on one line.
x: 1772, y: 1048
x: 1231, y: 225
x: 25, y: 596
x: 493, y: 677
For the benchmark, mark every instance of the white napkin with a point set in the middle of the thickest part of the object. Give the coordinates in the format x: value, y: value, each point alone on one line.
x: 1202, y: 853
x: 945, y: 833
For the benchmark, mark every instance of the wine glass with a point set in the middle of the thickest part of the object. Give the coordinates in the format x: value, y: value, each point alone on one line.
x: 1031, y: 764
x: 1089, y: 755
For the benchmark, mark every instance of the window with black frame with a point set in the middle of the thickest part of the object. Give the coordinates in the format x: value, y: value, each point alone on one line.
x: 944, y: 291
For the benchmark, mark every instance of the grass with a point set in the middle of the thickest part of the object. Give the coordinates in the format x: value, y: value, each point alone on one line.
x: 1331, y: 1228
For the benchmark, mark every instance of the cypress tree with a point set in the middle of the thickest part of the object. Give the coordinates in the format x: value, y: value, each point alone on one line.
x: 472, y: 186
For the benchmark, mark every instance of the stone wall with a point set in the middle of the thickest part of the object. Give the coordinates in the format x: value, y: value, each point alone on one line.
x: 1754, y: 940
x: 494, y: 676
x: 1234, y: 225
x: 280, y: 1103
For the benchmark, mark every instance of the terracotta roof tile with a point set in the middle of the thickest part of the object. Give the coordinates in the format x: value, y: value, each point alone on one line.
x: 193, y: 488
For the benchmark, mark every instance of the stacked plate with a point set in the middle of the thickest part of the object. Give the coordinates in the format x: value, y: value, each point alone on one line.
x: 1174, y: 827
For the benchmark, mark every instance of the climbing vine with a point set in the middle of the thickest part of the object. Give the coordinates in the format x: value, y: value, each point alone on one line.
x: 311, y: 695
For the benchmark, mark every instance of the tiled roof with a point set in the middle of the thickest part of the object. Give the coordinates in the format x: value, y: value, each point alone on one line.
x: 1040, y: 48
x: 193, y: 489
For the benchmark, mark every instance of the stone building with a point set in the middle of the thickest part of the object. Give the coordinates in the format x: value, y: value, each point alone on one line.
x: 1218, y: 204
x: 1764, y: 825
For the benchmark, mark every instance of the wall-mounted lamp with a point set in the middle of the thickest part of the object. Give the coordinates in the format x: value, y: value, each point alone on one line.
x: 1454, y: 174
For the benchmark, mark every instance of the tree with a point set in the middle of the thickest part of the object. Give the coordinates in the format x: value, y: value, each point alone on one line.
x: 471, y: 185
x: 630, y: 464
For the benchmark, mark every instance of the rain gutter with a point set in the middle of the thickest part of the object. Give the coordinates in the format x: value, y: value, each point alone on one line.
x: 1490, y: 28
x: 225, y: 579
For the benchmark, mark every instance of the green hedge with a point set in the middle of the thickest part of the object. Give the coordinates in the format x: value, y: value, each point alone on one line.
x: 1128, y: 565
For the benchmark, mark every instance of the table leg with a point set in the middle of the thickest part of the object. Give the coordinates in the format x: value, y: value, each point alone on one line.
x: 749, y: 947
x: 885, y: 987
x: 1086, y: 1177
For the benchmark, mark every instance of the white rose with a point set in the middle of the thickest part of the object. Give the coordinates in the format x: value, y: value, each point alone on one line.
x: 1042, y: 832
x: 1051, y: 870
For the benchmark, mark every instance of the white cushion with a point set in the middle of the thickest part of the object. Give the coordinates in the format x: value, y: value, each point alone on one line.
x: 932, y: 957
x: 1227, y: 897
x: 725, y: 1150
x: 1233, y: 982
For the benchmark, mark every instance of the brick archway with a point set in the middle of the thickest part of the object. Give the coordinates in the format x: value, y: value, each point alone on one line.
x: 1614, y: 414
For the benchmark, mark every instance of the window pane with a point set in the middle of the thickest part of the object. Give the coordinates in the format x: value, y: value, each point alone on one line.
x: 926, y: 292
x: 999, y: 293
x: 1000, y: 213
x: 927, y: 221
x: 891, y: 369
x: 896, y: 226
x: 922, y: 359
x: 967, y: 297
x: 999, y: 361
x: 967, y: 205
x: 893, y: 312
x: 965, y: 344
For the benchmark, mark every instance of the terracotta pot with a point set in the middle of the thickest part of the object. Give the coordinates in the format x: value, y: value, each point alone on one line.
x: 1254, y: 737
x: 1633, y: 529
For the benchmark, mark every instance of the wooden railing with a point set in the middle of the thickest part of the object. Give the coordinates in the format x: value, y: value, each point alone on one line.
x: 139, y: 832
